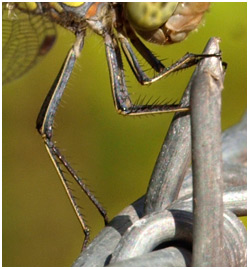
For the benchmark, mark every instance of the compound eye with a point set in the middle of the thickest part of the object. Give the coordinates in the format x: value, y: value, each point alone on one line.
x: 147, y: 16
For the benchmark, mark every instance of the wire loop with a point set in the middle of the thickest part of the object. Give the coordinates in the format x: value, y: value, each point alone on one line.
x: 160, y: 229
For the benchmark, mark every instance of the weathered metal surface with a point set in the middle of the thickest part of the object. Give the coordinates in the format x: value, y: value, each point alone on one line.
x: 162, y: 233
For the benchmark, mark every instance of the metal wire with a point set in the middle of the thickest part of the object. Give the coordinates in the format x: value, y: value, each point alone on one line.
x: 205, y: 103
x: 160, y: 229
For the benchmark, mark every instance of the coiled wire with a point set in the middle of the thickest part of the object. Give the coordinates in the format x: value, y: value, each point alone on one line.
x: 160, y: 229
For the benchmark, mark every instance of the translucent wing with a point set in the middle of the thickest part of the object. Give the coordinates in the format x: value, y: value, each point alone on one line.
x: 26, y: 38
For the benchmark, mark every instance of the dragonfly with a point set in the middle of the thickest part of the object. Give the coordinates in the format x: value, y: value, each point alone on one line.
x: 29, y: 32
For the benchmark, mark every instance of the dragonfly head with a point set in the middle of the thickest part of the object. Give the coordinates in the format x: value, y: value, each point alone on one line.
x: 165, y: 22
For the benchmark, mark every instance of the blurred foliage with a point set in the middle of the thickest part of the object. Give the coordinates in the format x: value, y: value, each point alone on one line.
x: 115, y: 154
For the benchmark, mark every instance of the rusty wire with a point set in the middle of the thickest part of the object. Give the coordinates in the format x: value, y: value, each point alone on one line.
x: 163, y: 228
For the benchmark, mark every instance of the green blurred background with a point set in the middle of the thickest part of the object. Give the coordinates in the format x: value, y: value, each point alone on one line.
x: 116, y: 154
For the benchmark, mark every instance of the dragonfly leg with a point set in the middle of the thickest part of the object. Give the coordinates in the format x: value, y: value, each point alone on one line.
x: 44, y: 126
x: 58, y: 159
x: 186, y: 61
x: 120, y: 93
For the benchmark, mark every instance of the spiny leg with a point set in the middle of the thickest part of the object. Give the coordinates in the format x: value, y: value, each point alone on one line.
x: 120, y: 93
x: 141, y: 48
x: 55, y: 157
x: 44, y: 126
x: 188, y: 60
